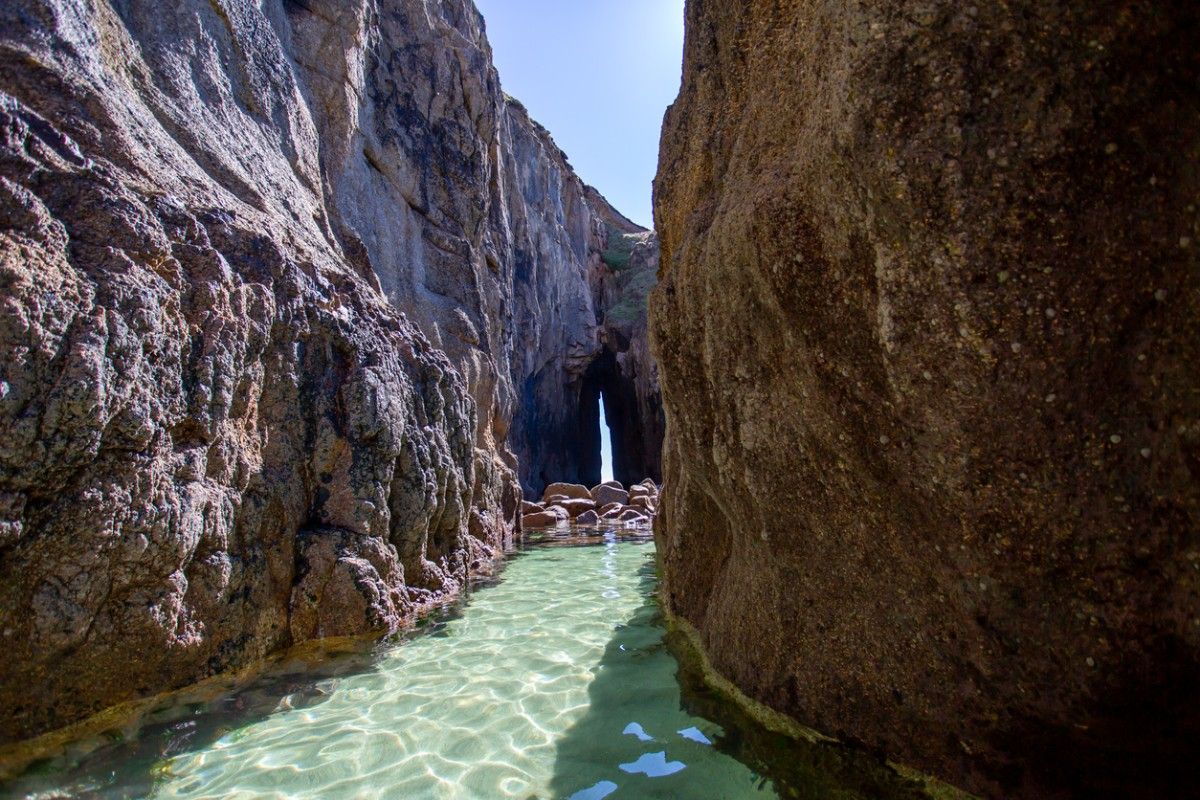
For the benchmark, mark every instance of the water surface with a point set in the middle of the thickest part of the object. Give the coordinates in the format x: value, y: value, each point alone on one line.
x: 553, y: 683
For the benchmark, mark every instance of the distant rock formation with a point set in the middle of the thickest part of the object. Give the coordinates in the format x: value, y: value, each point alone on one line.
x: 282, y: 285
x: 928, y: 328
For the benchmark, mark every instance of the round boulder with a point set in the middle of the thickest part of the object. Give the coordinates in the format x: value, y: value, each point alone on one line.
x: 574, y: 491
x: 605, y: 494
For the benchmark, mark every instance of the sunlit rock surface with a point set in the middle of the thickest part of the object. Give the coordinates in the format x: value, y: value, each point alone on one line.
x: 927, y: 334
x: 279, y: 284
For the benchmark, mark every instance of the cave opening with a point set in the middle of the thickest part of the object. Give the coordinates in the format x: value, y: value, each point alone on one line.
x: 610, y: 429
x: 606, y: 456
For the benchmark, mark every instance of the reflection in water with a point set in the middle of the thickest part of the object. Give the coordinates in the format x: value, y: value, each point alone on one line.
x: 654, y: 765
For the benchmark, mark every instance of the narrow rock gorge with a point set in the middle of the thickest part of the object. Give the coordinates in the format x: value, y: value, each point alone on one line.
x: 294, y: 300
x: 926, y: 325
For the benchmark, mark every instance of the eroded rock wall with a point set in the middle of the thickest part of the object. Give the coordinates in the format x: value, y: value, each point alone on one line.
x: 270, y: 274
x: 927, y: 330
x: 471, y: 217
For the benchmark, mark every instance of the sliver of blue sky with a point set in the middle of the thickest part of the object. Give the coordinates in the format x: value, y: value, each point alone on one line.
x: 606, y: 457
x: 598, y: 74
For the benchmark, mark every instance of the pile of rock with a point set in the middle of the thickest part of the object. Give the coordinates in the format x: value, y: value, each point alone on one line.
x: 608, y: 503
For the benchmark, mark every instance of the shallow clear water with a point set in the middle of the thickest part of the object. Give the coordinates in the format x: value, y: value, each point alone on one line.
x: 554, y: 683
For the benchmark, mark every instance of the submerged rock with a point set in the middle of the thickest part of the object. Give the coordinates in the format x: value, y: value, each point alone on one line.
x: 544, y: 519
x: 927, y: 337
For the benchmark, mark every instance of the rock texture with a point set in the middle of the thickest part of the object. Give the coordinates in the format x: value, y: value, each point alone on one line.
x: 276, y: 280
x: 927, y: 327
x: 608, y: 503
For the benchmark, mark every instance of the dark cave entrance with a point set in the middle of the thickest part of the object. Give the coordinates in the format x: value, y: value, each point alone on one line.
x: 603, y: 382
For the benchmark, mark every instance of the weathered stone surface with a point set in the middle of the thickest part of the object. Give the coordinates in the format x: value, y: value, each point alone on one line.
x: 632, y: 516
x: 217, y: 435
x: 530, y: 508
x: 576, y: 507
x: 217, y: 438
x: 603, y: 495
x: 927, y: 328
x: 573, y: 491
x: 587, y: 518
x: 544, y: 519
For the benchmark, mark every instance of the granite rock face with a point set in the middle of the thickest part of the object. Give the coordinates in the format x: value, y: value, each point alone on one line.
x: 927, y: 329
x: 269, y: 274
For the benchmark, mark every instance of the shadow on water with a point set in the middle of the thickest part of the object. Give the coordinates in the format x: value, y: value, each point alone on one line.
x: 652, y: 719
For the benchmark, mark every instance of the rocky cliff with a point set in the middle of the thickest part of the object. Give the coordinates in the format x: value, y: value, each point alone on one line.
x: 927, y: 327
x: 282, y: 285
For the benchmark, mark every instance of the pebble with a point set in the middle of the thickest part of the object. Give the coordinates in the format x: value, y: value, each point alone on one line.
x: 1091, y: 662
x: 1115, y: 438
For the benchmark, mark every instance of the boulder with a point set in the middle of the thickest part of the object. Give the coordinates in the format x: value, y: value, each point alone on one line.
x: 951, y: 374
x: 610, y: 507
x: 649, y: 504
x: 605, y: 494
x: 630, y: 516
x: 587, y: 518
x: 541, y: 519
x: 575, y: 491
x: 531, y: 508
x: 637, y: 490
x: 576, y: 507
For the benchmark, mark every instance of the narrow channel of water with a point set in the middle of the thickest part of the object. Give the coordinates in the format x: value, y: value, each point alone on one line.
x: 553, y: 682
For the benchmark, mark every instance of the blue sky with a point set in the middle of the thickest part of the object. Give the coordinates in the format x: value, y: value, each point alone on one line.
x: 598, y: 74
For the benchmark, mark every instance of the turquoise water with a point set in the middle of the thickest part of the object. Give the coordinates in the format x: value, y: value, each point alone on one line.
x: 553, y: 683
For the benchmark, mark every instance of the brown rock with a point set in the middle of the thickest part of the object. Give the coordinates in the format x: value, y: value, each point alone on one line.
x: 257, y: 333
x: 638, y: 490
x: 610, y: 507
x: 587, y: 518
x: 646, y: 503
x: 956, y: 340
x: 531, y: 508
x: 573, y: 491
x: 603, y: 495
x: 542, y: 519
x: 576, y: 507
